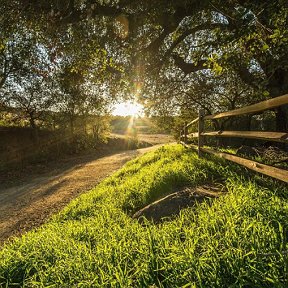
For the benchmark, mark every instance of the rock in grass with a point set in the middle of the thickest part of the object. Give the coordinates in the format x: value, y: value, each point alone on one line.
x: 247, y: 151
x: 172, y: 204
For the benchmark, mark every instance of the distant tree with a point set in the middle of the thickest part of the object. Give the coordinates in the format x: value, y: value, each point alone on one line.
x: 79, y: 99
x: 27, y: 69
x: 33, y: 98
x: 15, y: 47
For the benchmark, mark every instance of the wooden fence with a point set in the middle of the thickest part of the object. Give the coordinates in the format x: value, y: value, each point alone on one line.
x: 274, y: 172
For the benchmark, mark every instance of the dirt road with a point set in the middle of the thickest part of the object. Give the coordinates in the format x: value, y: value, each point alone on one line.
x: 30, y: 204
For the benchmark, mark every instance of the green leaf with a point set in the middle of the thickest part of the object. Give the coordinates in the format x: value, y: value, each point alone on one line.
x: 265, y: 47
x: 266, y: 93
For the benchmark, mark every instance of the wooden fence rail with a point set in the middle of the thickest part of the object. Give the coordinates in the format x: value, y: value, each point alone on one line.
x: 274, y: 172
x: 270, y: 136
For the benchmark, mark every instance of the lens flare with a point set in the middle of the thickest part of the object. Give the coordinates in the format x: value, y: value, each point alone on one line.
x: 128, y: 109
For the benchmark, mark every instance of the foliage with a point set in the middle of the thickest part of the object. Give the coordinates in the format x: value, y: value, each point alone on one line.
x: 175, y: 56
x: 237, y: 240
x: 47, y: 72
x: 204, y: 45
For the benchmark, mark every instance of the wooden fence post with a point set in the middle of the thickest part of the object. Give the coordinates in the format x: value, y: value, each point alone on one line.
x: 185, y: 132
x: 200, y: 130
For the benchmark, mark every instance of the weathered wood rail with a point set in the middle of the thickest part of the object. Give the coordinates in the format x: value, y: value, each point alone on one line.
x: 280, y: 174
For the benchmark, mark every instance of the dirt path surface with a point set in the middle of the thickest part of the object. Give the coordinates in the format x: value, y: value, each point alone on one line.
x: 30, y: 204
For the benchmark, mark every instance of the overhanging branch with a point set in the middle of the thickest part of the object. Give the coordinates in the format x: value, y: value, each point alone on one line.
x: 192, y: 31
x: 188, y: 67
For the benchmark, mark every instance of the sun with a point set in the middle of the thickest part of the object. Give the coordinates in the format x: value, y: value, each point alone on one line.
x: 128, y: 109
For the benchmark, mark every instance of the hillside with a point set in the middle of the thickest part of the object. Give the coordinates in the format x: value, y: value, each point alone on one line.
x: 239, y: 239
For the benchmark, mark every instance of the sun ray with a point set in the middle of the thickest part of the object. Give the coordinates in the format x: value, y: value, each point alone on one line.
x: 128, y: 109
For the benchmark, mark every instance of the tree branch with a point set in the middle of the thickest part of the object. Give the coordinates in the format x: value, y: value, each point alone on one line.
x: 246, y: 76
x: 188, y: 67
x: 205, y: 26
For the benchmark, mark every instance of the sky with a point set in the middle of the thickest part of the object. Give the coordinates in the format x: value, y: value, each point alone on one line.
x: 128, y: 109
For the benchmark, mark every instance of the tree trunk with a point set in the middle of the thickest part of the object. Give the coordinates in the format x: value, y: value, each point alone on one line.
x: 248, y: 122
x: 282, y: 118
x: 72, y: 126
x: 35, y: 135
x: 277, y: 86
x: 85, y: 126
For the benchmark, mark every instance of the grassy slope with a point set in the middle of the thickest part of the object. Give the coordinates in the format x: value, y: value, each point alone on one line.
x: 239, y: 239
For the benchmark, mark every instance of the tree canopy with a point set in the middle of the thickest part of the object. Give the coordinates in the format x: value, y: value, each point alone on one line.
x: 159, y: 51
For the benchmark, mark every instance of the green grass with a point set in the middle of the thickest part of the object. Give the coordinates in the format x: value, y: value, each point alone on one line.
x: 238, y: 240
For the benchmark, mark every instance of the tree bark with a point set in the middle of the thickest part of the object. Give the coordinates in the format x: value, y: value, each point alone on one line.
x: 277, y: 86
x: 35, y: 135
x: 282, y: 118
x: 72, y: 126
